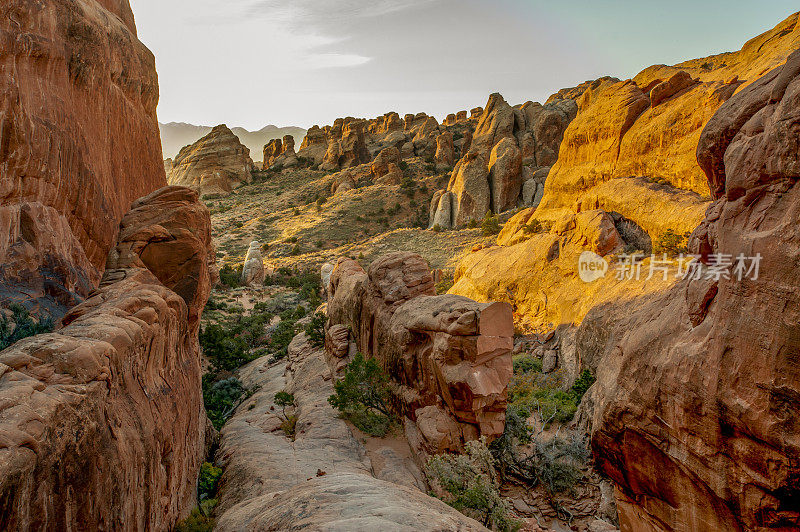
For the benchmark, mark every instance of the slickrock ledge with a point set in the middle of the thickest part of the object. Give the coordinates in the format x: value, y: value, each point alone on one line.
x: 324, y: 479
x: 102, y: 425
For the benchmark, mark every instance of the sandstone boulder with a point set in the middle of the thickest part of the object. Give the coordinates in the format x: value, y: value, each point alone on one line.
x: 215, y: 164
x: 90, y: 410
x: 677, y: 83
x: 253, y: 272
x: 449, y: 357
x: 80, y: 142
x: 469, y: 185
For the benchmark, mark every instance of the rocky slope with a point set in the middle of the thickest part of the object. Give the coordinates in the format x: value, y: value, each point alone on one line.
x: 323, y: 479
x: 694, y: 412
x: 215, y: 164
x: 449, y: 357
x: 102, y: 424
x: 80, y: 142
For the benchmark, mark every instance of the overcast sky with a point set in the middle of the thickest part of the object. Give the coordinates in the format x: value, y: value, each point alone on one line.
x: 251, y: 63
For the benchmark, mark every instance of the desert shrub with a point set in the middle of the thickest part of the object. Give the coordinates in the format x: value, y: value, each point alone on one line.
x: 284, y: 399
x: 309, y: 291
x: 196, y: 522
x: 409, y: 186
x: 536, y: 226
x: 527, y: 364
x: 362, y: 396
x: 213, y: 304
x: 671, y: 243
x: 582, y: 385
x: 231, y: 276
x: 223, y: 347
x: 490, y: 225
x: 541, y: 394
x: 402, y: 165
x: 472, y: 224
x: 558, y: 463
x: 282, y: 337
x: 315, y: 331
x: 208, y: 481
x: 469, y: 484
x: 221, y: 398
x: 23, y: 326
x: 437, y: 228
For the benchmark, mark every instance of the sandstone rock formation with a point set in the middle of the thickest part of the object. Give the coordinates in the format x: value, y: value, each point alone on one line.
x: 509, y: 146
x: 346, y: 145
x: 323, y: 479
x: 694, y: 412
x: 215, y: 164
x: 449, y: 357
x: 79, y: 143
x: 253, y: 272
x: 445, y: 150
x: 102, y: 422
x: 626, y: 155
x: 280, y: 153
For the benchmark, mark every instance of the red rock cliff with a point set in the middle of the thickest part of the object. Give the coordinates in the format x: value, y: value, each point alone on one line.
x: 102, y: 422
x: 79, y: 142
x: 696, y: 407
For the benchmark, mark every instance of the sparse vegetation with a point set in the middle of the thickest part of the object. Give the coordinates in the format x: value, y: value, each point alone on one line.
x: 445, y: 283
x: 469, y: 483
x: 490, y: 225
x: 315, y: 330
x: 284, y: 399
x: 362, y: 396
x: 20, y: 326
x: 535, y: 227
x: 671, y: 243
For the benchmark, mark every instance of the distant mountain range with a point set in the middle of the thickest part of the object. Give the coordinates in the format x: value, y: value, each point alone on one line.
x: 176, y: 135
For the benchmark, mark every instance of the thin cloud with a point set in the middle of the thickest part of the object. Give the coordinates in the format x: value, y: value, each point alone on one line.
x: 320, y: 61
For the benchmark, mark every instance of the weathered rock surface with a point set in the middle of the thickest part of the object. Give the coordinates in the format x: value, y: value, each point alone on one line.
x: 253, y: 273
x: 695, y: 408
x: 323, y: 480
x: 102, y: 422
x: 79, y: 143
x: 449, y: 357
x: 215, y: 164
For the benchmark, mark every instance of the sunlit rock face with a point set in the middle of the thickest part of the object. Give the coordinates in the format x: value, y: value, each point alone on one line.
x: 696, y: 405
x: 79, y: 142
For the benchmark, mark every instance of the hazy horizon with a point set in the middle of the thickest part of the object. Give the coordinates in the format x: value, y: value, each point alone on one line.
x: 252, y: 63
